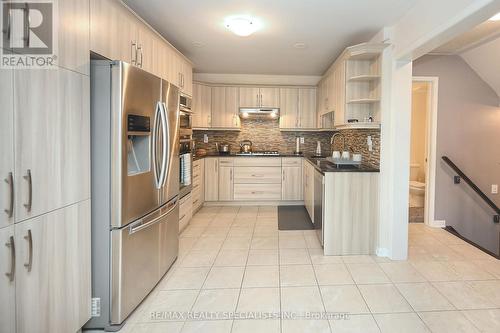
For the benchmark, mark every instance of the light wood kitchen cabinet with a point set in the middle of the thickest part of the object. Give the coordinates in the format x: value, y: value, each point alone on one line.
x: 52, y: 140
x: 308, y: 176
x: 202, y: 106
x: 298, y: 108
x: 260, y: 97
x: 187, y: 77
x: 307, y: 108
x: 53, y: 281
x: 226, y: 183
x: 225, y: 107
x: 7, y: 175
x: 185, y: 211
x: 7, y: 280
x: 291, y: 179
x: 257, y: 192
x: 198, y: 192
x: 289, y: 110
x: 145, y: 49
x: 211, y: 179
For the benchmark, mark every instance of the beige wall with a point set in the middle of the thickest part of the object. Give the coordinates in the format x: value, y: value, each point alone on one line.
x: 418, y: 127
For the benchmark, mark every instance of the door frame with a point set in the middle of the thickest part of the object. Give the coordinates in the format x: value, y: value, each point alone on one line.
x: 431, y: 141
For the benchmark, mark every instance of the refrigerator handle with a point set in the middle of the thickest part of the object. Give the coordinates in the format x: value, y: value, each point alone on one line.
x: 155, y: 145
x: 145, y: 222
x: 166, y: 144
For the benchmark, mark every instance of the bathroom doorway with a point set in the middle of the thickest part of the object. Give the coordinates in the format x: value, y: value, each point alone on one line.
x: 423, y: 150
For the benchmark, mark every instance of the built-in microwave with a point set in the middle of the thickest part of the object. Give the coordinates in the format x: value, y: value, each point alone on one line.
x: 185, y: 116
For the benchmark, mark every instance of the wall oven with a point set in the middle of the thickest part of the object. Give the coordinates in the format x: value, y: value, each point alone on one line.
x: 185, y: 145
x: 185, y: 116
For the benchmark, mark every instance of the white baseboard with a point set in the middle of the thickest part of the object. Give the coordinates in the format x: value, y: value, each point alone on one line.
x: 382, y: 252
x: 253, y: 203
x: 438, y: 224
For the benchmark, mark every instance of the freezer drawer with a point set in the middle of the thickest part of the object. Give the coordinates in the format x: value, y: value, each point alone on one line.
x: 140, y: 254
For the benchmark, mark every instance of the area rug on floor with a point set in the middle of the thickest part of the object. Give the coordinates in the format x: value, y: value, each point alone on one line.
x: 294, y: 218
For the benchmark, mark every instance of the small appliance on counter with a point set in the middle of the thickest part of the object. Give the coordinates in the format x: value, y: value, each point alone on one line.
x: 223, y: 148
x: 246, y: 146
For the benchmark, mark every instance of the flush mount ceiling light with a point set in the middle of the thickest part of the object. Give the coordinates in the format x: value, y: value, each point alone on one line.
x: 242, y: 26
x: 495, y: 18
x: 300, y: 45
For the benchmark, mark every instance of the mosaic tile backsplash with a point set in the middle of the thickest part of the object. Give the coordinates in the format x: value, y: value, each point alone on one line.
x: 266, y: 135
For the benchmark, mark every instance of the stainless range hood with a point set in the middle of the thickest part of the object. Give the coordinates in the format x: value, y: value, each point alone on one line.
x: 271, y: 113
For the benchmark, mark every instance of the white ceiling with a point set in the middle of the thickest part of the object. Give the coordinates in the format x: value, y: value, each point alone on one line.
x: 485, y: 60
x: 325, y: 26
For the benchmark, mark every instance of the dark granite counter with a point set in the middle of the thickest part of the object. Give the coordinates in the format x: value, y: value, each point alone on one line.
x: 197, y: 157
x: 322, y: 165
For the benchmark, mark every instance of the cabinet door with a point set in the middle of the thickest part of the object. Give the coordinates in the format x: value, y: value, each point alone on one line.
x: 340, y: 84
x: 211, y: 179
x: 53, y: 281
x: 52, y: 140
x: 307, y: 108
x: 226, y: 184
x: 73, y: 35
x: 232, y: 107
x: 175, y: 76
x: 197, y: 106
x: 113, y: 30
x: 289, y: 99
x: 7, y: 282
x: 270, y: 97
x: 187, y: 77
x: 249, y: 97
x: 292, y: 183
x: 7, y: 148
x: 218, y: 107
x: 145, y: 54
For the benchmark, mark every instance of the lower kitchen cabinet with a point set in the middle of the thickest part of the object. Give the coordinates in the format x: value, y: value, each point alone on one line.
x: 292, y: 183
x: 211, y: 179
x: 226, y: 179
x: 53, y: 281
x: 198, y: 192
x: 7, y: 280
x: 185, y: 211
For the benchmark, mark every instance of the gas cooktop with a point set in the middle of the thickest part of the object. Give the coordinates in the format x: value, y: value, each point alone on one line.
x: 259, y: 153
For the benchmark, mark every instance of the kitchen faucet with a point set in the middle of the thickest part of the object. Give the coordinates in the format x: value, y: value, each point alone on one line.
x: 332, y: 141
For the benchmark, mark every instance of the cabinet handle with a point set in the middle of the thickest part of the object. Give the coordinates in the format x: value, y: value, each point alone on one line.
x: 133, y: 53
x: 183, y: 216
x: 283, y: 172
x: 216, y: 167
x: 258, y: 176
x: 27, y: 177
x: 12, y: 247
x: 10, y: 180
x: 29, y: 238
x: 196, y: 186
x: 195, y: 201
x: 209, y: 119
x: 231, y: 174
x: 139, y: 48
x: 261, y: 100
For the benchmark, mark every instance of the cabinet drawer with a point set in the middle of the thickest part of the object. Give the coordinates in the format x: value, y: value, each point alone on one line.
x: 257, y: 175
x: 257, y: 161
x: 196, y: 185
x: 291, y: 161
x: 226, y: 161
x: 257, y: 191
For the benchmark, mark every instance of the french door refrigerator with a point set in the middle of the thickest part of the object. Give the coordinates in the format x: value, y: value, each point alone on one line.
x: 135, y: 187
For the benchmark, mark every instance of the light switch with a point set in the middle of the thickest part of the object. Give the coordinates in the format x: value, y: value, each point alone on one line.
x: 494, y: 189
x: 205, y: 138
x: 301, y: 140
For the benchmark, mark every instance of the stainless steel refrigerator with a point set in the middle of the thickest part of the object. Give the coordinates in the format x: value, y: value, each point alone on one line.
x: 135, y: 187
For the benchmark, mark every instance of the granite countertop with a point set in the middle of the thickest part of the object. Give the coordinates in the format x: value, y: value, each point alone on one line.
x: 319, y: 163
x: 324, y: 166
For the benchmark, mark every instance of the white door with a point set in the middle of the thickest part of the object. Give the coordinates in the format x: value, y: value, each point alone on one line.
x: 7, y: 148
x: 7, y: 280
x: 52, y: 140
x: 53, y: 281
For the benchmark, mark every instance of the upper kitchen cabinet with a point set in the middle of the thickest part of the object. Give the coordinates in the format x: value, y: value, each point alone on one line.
x: 351, y: 87
x: 118, y: 34
x: 202, y: 106
x: 7, y: 148
x: 298, y: 108
x: 113, y: 31
x: 225, y: 107
x: 268, y: 97
x: 52, y: 140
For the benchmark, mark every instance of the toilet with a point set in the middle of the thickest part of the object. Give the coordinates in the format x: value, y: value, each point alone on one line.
x: 417, y: 189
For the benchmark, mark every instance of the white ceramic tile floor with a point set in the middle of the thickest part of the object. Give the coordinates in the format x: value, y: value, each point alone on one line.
x: 236, y: 272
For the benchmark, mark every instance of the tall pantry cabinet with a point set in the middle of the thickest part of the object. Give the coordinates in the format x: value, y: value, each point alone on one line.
x: 45, y: 186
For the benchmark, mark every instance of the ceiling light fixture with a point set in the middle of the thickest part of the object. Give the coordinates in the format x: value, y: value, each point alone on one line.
x: 495, y: 18
x: 242, y: 26
x: 300, y: 45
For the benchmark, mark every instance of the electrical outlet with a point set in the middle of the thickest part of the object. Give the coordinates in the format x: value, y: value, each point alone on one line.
x: 494, y: 189
x: 301, y: 140
x: 205, y: 138
x: 95, y: 307
x: 369, y: 142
